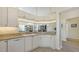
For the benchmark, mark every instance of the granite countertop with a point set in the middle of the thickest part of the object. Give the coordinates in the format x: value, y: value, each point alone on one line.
x: 22, y: 34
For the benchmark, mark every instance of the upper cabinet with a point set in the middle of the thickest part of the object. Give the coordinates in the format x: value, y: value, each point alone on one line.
x: 12, y: 17
x: 0, y: 17
x: 25, y: 15
x: 8, y: 16
x: 3, y: 16
x: 21, y: 14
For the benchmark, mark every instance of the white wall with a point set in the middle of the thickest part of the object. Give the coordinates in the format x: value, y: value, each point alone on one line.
x: 73, y: 32
x: 71, y: 13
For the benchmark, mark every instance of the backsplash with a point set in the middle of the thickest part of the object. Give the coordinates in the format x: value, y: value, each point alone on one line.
x: 8, y: 30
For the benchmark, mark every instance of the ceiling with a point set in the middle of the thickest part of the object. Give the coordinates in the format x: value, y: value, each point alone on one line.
x: 44, y: 13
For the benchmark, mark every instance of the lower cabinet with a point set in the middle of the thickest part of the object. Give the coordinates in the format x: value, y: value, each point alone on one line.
x: 28, y: 43
x: 3, y: 46
x: 16, y: 45
x: 36, y: 41
x: 45, y: 40
x: 52, y: 42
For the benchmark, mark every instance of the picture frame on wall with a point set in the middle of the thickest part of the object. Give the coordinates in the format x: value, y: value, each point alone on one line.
x: 73, y: 25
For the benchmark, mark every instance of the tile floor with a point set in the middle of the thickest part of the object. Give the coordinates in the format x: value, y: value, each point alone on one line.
x: 43, y: 49
x: 67, y: 47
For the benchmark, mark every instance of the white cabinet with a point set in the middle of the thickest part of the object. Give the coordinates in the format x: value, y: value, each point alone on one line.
x: 28, y: 43
x: 3, y: 46
x: 12, y: 16
x: 21, y: 14
x: 16, y: 45
x: 36, y: 41
x: 8, y: 16
x: 45, y: 40
x: 3, y: 16
x: 0, y: 17
x: 52, y: 42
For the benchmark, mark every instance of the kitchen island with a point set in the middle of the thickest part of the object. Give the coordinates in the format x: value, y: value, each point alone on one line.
x: 24, y: 42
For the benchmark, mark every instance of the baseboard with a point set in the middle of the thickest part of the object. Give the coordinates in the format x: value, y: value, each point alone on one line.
x: 45, y: 47
x: 34, y: 49
x: 71, y: 38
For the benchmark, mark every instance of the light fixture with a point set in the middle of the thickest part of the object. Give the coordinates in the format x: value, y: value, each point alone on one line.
x: 32, y: 21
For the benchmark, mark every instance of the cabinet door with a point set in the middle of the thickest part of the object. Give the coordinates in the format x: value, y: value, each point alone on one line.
x: 21, y: 14
x: 0, y: 17
x: 52, y: 42
x: 28, y: 43
x: 45, y: 41
x: 35, y: 42
x: 3, y: 46
x: 12, y: 16
x: 4, y: 16
x: 16, y: 45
